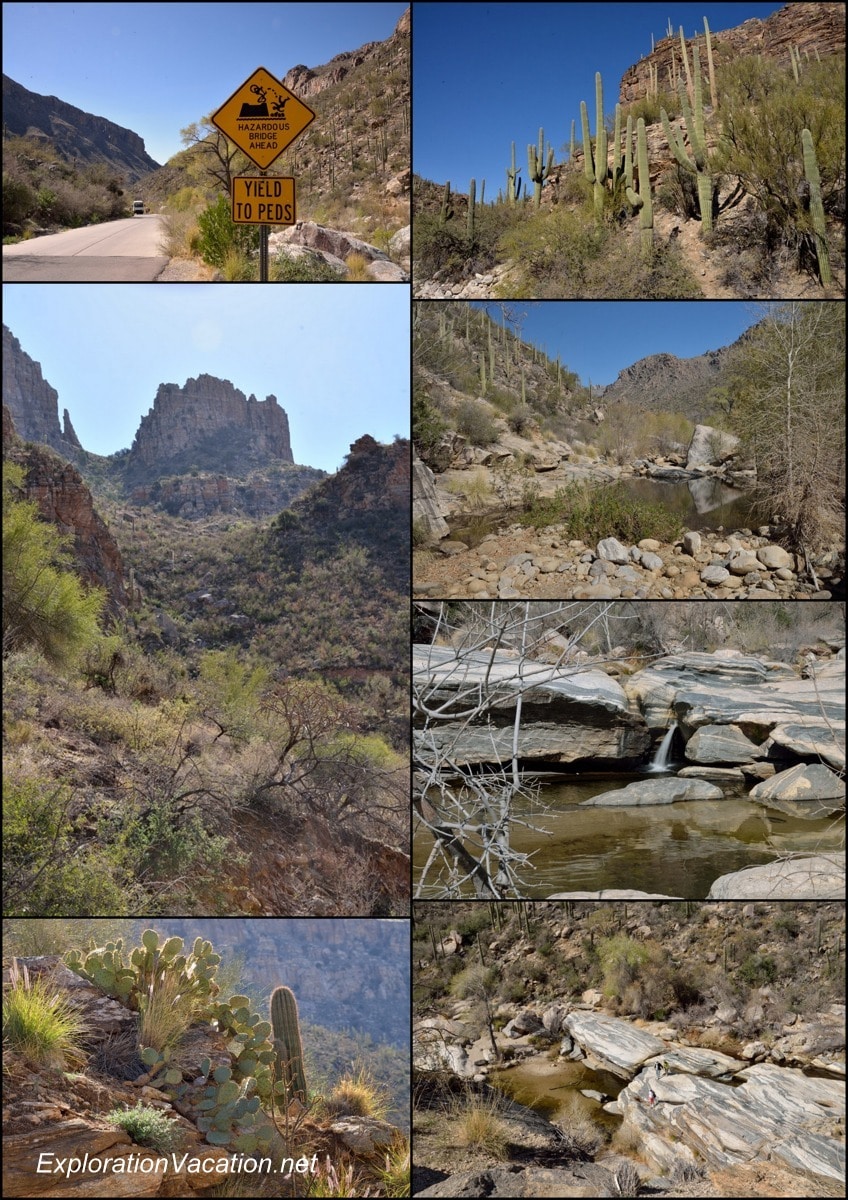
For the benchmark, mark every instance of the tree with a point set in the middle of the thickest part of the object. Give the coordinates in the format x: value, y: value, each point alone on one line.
x: 45, y: 604
x: 221, y: 159
x: 470, y: 815
x: 788, y: 380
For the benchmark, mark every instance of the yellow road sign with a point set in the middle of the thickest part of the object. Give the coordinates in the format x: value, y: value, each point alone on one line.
x: 262, y: 118
x: 259, y: 201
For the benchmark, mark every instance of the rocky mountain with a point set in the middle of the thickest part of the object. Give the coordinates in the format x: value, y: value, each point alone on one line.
x: 344, y: 974
x: 32, y: 402
x: 74, y: 134
x: 307, y: 82
x: 811, y: 28
x: 208, y: 424
x: 64, y: 500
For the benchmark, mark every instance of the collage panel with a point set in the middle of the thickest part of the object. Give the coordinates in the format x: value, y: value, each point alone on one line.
x: 209, y: 1057
x: 640, y: 1047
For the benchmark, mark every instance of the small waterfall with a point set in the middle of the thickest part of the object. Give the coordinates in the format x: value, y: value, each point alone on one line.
x: 660, y: 762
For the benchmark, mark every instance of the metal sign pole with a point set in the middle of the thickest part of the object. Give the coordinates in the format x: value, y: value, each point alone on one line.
x: 263, y: 249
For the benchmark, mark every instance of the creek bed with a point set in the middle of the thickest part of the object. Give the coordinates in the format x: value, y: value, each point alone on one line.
x: 553, y: 1088
x: 675, y: 849
x: 704, y: 503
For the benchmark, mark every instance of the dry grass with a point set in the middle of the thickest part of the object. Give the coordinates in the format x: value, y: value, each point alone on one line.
x: 166, y: 1013
x: 476, y: 1124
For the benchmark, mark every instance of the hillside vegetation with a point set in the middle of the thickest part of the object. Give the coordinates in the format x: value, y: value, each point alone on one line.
x: 721, y: 180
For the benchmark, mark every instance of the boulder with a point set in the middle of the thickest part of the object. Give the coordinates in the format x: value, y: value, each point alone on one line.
x: 720, y: 744
x: 692, y: 542
x: 692, y: 1060
x: 526, y: 1021
x: 805, y: 877
x: 611, y: 550
x: 730, y: 775
x: 610, y: 1044
x: 710, y: 447
x: 775, y: 558
x: 808, y: 790
x: 553, y: 1019
x: 667, y: 790
x: 425, y: 501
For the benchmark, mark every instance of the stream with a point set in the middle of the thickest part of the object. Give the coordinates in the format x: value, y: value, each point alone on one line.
x: 552, y: 1087
x: 675, y: 849
x: 704, y: 503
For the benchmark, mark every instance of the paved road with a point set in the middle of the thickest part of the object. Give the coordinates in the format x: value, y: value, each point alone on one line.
x: 126, y: 251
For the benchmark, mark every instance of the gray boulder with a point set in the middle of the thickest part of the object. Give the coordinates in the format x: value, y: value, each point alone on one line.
x: 425, y: 501
x: 611, y: 1044
x: 808, y: 790
x: 611, y: 550
x: 710, y: 447
x: 720, y: 744
x: 667, y: 790
x: 810, y: 877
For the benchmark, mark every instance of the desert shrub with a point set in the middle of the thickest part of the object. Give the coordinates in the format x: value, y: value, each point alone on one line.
x: 306, y: 268
x: 19, y: 201
x: 565, y: 254
x: 474, y: 422
x: 582, y: 1136
x: 521, y: 420
x: 622, y: 960
x: 148, y: 1127
x: 428, y: 425
x: 39, y: 1023
x: 757, y: 970
x: 219, y: 234
x: 358, y: 1094
x: 474, y: 980
x: 627, y: 1179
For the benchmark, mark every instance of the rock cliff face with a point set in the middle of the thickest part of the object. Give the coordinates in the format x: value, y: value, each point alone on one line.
x: 74, y: 134
x: 261, y: 494
x: 208, y: 425
x: 64, y: 500
x: 32, y: 402
x: 811, y: 27
x: 344, y: 973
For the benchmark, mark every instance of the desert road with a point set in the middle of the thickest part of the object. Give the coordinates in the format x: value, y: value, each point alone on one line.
x: 125, y: 251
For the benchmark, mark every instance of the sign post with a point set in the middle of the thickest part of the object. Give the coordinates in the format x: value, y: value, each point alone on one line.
x: 262, y: 118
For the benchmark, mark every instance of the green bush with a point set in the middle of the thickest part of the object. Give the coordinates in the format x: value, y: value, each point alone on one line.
x: 40, y: 1024
x: 473, y: 422
x: 19, y: 201
x: 758, y: 970
x: 148, y: 1127
x: 306, y: 269
x: 219, y: 234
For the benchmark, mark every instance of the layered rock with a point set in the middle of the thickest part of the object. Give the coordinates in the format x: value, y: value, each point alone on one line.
x: 32, y: 402
x: 812, y: 28
x: 73, y: 133
x: 261, y: 494
x: 669, y: 790
x: 566, y: 717
x: 208, y: 425
x: 808, y: 790
x: 612, y: 1045
x: 425, y: 501
x: 802, y: 877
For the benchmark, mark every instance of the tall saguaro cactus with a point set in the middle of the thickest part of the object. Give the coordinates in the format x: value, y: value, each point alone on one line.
x: 811, y: 172
x: 287, y: 1043
x: 539, y: 166
x: 513, y: 181
x: 694, y: 118
x: 472, y: 205
x: 595, y: 166
x: 641, y: 199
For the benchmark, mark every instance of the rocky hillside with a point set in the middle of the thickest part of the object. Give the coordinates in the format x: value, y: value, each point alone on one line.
x: 74, y: 134
x: 813, y: 29
x: 32, y: 402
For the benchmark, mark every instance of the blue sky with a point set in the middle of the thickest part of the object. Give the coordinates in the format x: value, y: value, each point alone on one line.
x: 485, y: 75
x: 597, y: 339
x: 156, y: 68
x: 336, y: 357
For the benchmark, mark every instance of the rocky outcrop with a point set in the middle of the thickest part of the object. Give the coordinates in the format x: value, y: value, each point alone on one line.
x: 720, y: 744
x: 786, y: 716
x: 307, y: 81
x: 32, y: 402
x: 425, y: 501
x: 710, y: 447
x: 585, y: 1179
x: 335, y: 247
x: 812, y: 28
x: 566, y: 717
x: 808, y: 791
x: 609, y: 1044
x: 208, y: 425
x: 73, y: 133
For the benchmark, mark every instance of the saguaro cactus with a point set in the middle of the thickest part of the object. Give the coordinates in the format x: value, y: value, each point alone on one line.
x: 641, y: 199
x: 539, y: 166
x: 811, y: 171
x: 694, y: 118
x: 513, y: 181
x: 447, y: 208
x: 595, y: 166
x: 472, y: 203
x: 287, y: 1043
